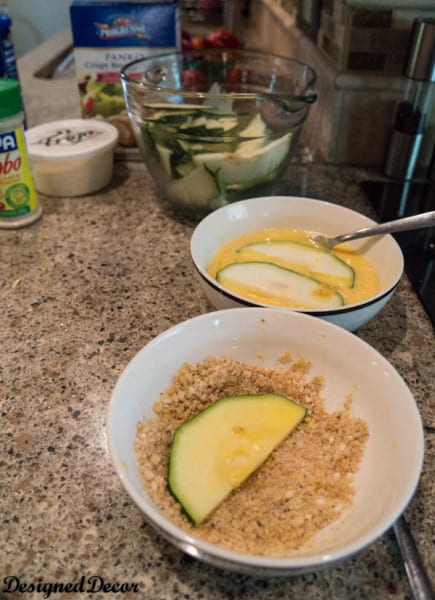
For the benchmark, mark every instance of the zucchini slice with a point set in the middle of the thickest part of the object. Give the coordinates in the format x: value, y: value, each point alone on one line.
x: 270, y: 283
x: 165, y: 156
x: 175, y: 107
x: 206, y: 146
x: 183, y: 166
x: 216, y: 450
x: 319, y: 261
x: 256, y: 128
x: 244, y: 164
x: 245, y: 186
x: 169, y: 117
x: 206, y: 126
x: 197, y: 189
x: 256, y: 131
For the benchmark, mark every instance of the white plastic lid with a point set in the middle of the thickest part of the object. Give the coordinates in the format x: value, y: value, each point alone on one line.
x: 70, y: 139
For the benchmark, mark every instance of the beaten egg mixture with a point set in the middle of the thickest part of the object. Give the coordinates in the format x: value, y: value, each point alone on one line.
x: 365, y: 283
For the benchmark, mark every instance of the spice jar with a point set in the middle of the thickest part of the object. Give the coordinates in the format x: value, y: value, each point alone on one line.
x: 19, y: 204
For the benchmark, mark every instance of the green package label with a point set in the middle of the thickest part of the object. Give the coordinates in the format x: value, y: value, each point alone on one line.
x: 17, y: 190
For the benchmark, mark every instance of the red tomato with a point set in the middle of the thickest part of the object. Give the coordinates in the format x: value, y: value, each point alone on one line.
x: 109, y: 77
x: 222, y: 38
x: 186, y: 41
x: 208, y: 4
x: 192, y: 77
x: 186, y: 44
x: 199, y: 42
x: 236, y: 76
x: 89, y: 106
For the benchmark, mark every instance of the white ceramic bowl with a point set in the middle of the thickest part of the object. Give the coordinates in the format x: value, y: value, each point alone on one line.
x: 392, y: 461
x: 242, y: 217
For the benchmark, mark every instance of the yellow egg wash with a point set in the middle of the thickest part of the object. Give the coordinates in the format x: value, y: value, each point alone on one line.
x: 365, y: 283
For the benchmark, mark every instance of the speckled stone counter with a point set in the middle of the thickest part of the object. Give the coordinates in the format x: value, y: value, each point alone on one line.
x: 82, y: 291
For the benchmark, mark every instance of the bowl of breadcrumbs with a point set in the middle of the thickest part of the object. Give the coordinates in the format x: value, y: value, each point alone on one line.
x: 330, y: 488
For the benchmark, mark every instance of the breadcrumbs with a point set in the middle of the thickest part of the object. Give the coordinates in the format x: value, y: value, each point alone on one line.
x: 303, y: 486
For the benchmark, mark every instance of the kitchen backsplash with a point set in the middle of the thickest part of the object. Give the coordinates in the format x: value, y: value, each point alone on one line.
x: 359, y: 52
x: 369, y: 36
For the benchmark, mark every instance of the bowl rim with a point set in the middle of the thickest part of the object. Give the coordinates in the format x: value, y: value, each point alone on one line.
x: 347, y: 308
x: 239, y: 561
x: 308, y: 95
x: 326, y: 312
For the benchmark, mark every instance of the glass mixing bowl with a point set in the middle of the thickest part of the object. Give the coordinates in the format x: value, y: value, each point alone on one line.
x: 216, y: 126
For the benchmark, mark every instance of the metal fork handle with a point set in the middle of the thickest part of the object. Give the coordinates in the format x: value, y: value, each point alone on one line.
x: 426, y: 219
x: 418, y: 578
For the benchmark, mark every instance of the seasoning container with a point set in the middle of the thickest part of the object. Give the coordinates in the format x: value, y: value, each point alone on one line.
x: 19, y: 204
x: 72, y: 157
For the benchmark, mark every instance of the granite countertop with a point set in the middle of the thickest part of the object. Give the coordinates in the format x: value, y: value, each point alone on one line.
x: 83, y: 290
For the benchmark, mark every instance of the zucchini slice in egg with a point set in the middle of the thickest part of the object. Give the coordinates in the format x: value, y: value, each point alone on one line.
x: 318, y: 261
x: 269, y: 283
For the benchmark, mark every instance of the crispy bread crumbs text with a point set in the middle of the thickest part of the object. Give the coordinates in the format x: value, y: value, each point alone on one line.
x: 304, y: 485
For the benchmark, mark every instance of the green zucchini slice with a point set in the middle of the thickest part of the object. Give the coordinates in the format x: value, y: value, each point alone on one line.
x: 165, y: 155
x: 209, y: 127
x: 246, y: 164
x: 269, y: 281
x: 319, y: 261
x: 256, y: 128
x: 216, y: 450
x: 167, y: 107
x: 198, y: 188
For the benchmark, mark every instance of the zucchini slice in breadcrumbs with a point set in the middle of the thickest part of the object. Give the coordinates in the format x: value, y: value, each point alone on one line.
x: 216, y: 450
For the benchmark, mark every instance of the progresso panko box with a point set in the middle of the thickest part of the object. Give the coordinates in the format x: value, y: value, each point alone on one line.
x: 106, y: 36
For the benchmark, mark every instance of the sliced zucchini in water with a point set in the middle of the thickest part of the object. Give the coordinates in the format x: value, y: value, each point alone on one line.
x: 216, y: 450
x: 202, y: 147
x: 161, y: 133
x: 148, y: 140
x: 183, y: 166
x: 245, y: 186
x: 270, y: 283
x: 166, y: 106
x: 257, y: 131
x: 198, y: 188
x: 255, y: 128
x: 193, y: 126
x: 165, y: 156
x: 205, y: 126
x: 319, y: 261
x: 221, y: 125
x: 246, y: 165
x: 169, y: 117
x: 250, y: 146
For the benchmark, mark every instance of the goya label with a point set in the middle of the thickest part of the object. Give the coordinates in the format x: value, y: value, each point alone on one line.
x: 17, y: 191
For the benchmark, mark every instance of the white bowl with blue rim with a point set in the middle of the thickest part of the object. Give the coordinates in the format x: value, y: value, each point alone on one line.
x: 233, y: 220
